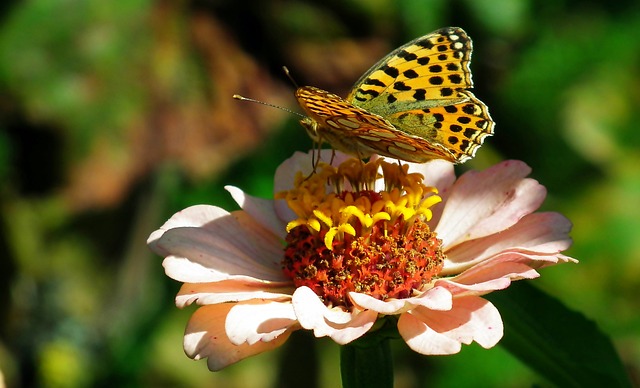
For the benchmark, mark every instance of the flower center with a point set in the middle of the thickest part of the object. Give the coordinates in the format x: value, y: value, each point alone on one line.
x: 359, y: 239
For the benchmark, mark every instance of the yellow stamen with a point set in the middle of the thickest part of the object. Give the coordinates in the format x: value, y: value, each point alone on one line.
x: 335, y: 213
x: 323, y: 218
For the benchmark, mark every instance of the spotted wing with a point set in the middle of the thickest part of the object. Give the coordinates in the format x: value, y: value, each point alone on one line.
x: 421, y: 90
x: 355, y: 131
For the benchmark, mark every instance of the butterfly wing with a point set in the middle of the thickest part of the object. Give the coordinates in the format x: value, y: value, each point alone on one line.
x: 460, y: 127
x: 421, y: 90
x: 356, y: 131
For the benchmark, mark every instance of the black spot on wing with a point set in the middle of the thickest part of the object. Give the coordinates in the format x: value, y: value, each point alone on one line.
x: 401, y: 86
x: 370, y: 92
x: 410, y: 73
x: 455, y: 78
x: 407, y: 56
x: 374, y: 82
x: 469, y: 132
x: 436, y: 80
x: 469, y: 109
x: 426, y: 43
x: 446, y: 92
x: 391, y: 71
x: 420, y: 94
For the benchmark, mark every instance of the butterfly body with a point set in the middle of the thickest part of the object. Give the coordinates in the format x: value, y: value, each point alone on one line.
x: 412, y: 105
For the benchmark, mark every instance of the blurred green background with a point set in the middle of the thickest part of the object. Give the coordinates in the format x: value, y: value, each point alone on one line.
x: 115, y: 114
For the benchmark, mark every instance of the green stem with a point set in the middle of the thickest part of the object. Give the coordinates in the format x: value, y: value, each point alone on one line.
x: 367, y: 363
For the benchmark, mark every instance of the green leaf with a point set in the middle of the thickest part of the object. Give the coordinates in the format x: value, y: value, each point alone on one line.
x: 560, y: 344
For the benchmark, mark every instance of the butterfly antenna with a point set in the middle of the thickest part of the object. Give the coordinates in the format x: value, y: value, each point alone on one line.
x: 288, y: 74
x: 241, y: 98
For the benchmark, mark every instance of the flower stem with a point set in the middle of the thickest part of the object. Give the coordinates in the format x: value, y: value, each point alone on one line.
x: 367, y: 363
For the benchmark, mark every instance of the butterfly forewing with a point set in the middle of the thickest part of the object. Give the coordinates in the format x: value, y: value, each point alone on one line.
x: 423, y: 71
x: 353, y: 130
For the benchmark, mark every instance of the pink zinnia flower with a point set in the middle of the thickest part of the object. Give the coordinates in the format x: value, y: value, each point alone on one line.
x: 347, y: 245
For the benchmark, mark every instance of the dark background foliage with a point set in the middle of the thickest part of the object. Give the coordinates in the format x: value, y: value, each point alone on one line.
x: 114, y: 115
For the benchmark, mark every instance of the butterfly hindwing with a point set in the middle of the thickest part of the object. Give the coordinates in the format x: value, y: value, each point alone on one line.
x: 353, y: 130
x: 460, y: 128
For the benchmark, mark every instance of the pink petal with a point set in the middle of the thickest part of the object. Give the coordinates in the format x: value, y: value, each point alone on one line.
x: 545, y: 233
x: 231, y: 291
x: 514, y: 265
x: 437, y: 298
x: 261, y: 210
x: 459, y: 289
x: 437, y: 173
x: 442, y: 332
x: 441, y: 175
x: 497, y: 272
x: 283, y: 211
x: 558, y: 259
x: 256, y: 321
x: 424, y: 340
x: 230, y: 245
x: 197, y: 215
x: 205, y: 337
x: 506, y: 265
x: 486, y: 202
x: 342, y: 326
x: 287, y: 171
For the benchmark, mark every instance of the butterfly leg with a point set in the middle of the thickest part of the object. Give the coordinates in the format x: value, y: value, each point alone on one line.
x: 315, y: 158
x: 333, y: 156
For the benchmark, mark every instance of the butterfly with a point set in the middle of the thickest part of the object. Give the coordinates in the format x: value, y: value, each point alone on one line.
x: 413, y: 105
